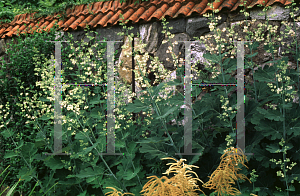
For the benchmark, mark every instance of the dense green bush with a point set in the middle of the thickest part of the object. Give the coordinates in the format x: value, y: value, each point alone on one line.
x: 20, y: 69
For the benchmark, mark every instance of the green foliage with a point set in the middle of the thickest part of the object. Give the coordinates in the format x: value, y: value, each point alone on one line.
x: 9, y: 9
x: 20, y: 68
x: 28, y: 95
x: 6, y: 11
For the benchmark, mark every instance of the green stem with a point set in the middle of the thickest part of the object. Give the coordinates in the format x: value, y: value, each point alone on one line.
x: 251, y: 52
x: 81, y: 189
x: 134, y: 169
x: 296, y: 56
x: 29, y: 166
x: 101, y: 156
x: 284, y: 155
x: 159, y: 114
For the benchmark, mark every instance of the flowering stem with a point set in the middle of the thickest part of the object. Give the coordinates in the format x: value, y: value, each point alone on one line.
x: 101, y: 157
x: 158, y: 112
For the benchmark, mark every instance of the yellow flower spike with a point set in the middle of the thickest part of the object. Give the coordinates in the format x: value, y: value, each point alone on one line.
x: 180, y: 184
x: 226, y: 173
x: 115, y: 192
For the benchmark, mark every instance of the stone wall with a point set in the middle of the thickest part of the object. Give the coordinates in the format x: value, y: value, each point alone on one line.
x: 185, y: 28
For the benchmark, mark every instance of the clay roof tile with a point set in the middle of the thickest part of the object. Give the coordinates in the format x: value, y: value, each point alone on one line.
x: 107, y: 13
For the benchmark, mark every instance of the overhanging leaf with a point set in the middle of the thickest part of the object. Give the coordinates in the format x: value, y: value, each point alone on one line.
x: 137, y: 106
x: 168, y: 112
x: 7, y: 133
x: 96, y: 113
x: 271, y: 114
x: 87, y: 172
x: 10, y: 154
x: 128, y: 175
x: 273, y: 148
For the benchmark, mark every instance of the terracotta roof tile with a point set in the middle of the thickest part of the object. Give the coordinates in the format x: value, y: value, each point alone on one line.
x: 107, y: 13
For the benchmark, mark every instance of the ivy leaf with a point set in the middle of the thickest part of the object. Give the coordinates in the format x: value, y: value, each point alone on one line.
x: 131, y: 147
x: 28, y: 151
x: 257, y: 118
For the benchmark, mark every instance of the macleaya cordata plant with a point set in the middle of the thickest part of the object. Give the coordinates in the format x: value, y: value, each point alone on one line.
x: 39, y: 111
x: 284, y: 92
x: 84, y: 120
x: 284, y: 95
